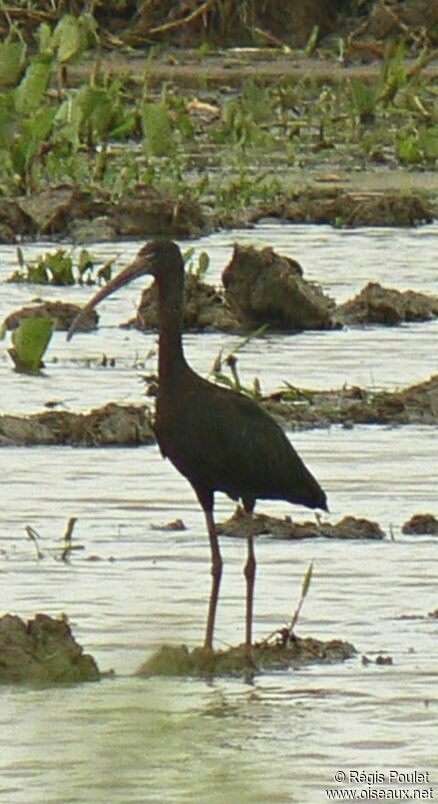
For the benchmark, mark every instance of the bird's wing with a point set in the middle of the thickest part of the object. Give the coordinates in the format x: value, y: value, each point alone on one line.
x: 228, y: 442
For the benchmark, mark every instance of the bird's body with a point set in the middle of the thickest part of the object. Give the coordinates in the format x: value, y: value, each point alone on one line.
x: 220, y: 440
x: 251, y: 460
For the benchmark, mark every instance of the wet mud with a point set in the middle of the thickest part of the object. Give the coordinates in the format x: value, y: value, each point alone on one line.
x: 61, y: 313
x: 42, y: 652
x: 111, y: 425
x: 205, y: 309
x: 299, y: 409
x: 263, y: 288
x: 422, y: 525
x: 386, y: 306
x: 350, y: 527
x: 280, y: 652
x: 295, y: 408
x: 70, y: 212
x: 338, y: 206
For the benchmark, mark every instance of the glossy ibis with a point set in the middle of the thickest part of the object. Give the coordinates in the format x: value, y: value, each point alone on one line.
x: 218, y: 439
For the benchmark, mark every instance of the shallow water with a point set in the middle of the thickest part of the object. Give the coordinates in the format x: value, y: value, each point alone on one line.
x: 133, y: 586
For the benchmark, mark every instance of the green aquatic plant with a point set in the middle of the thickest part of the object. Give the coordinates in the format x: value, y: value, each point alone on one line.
x: 230, y: 361
x: 27, y: 113
x: 12, y: 60
x: 247, y: 117
x: 393, y: 74
x: 71, y: 36
x: 68, y: 546
x: 201, y: 268
x: 95, y: 113
x: 30, y: 341
x: 407, y: 148
x: 60, y: 553
x: 246, y: 187
x: 30, y: 91
x: 34, y: 537
x: 25, y: 123
x: 51, y: 132
x: 304, y: 590
x: 287, y: 635
x: 58, y: 268
x: 417, y: 145
x: 312, y: 42
x: 30, y: 116
x: 52, y: 268
x: 364, y: 100
x: 159, y: 139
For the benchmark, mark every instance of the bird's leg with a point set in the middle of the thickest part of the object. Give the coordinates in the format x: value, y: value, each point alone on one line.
x: 216, y: 572
x: 249, y: 572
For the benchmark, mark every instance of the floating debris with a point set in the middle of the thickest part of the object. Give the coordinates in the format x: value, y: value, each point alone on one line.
x: 379, y: 660
x: 176, y: 525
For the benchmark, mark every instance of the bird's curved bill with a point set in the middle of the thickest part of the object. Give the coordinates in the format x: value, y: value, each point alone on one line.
x: 136, y: 269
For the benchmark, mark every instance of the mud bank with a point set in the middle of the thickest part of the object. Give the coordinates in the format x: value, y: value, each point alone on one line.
x: 295, y: 408
x: 281, y: 652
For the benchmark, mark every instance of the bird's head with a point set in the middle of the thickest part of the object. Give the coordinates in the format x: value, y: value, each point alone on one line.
x: 155, y: 258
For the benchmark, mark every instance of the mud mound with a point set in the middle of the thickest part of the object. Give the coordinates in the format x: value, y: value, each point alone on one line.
x: 42, y: 651
x: 284, y: 652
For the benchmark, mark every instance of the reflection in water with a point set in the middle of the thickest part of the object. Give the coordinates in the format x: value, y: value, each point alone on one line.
x: 140, y: 750
x: 134, y: 587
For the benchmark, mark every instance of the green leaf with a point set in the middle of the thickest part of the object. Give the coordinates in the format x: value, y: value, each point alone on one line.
x: 30, y: 340
x: 312, y: 42
x: 44, y: 38
x: 12, y: 56
x: 408, y: 150
x: 41, y: 125
x: 69, y: 38
x: 30, y: 92
x: 304, y: 590
x: 9, y: 122
x: 307, y: 580
x: 104, y: 273
x: 203, y: 263
x: 393, y: 73
x: 68, y: 119
x: 188, y: 259
x: 85, y: 262
x: 103, y: 113
x: 34, y: 132
x: 428, y: 142
x: 60, y: 265
x: 364, y: 100
x: 157, y: 129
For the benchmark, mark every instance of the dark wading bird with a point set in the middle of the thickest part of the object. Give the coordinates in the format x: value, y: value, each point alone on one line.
x: 218, y: 439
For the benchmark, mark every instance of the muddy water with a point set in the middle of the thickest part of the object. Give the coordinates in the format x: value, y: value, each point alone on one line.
x: 133, y: 585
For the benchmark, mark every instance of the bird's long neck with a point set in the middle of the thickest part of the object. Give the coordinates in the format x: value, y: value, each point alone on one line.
x: 171, y: 358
